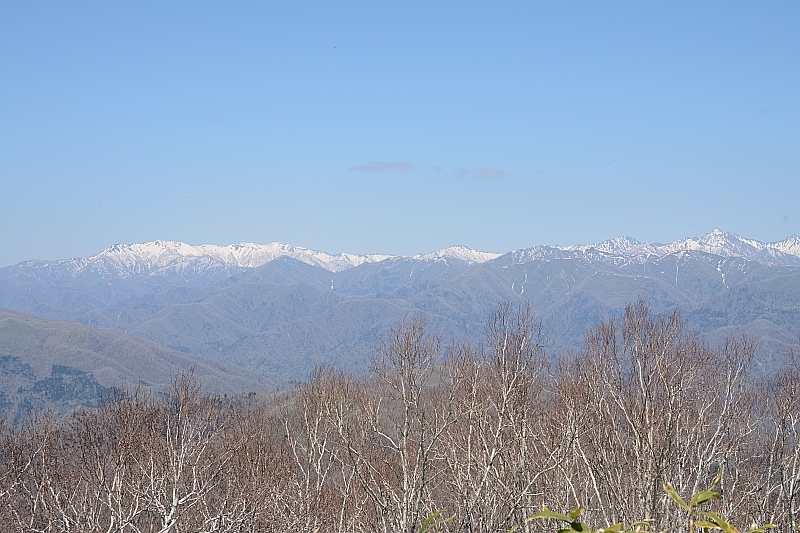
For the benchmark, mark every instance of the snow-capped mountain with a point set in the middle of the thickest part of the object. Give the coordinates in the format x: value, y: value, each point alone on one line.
x: 172, y: 257
x: 178, y: 258
x: 161, y: 254
x: 460, y: 253
x: 726, y: 244
x: 627, y: 249
x: 185, y: 260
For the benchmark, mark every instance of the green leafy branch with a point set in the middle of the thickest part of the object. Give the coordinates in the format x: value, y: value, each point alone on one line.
x: 433, y: 521
x: 706, y: 520
x: 698, y: 518
x: 576, y: 526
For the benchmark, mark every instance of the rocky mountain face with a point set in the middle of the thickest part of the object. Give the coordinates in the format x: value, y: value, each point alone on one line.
x: 278, y: 310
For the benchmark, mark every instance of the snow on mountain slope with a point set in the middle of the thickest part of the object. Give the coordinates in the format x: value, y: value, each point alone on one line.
x: 162, y: 254
x: 177, y: 258
x: 172, y: 257
x: 626, y: 249
x: 790, y: 246
x: 461, y: 253
x: 726, y: 244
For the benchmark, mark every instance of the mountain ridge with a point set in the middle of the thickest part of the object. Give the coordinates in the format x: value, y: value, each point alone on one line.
x: 716, y: 242
x: 174, y: 257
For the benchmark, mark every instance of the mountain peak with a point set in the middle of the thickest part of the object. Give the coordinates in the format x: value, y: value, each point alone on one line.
x: 157, y: 255
x: 722, y: 243
x: 624, y: 249
x: 459, y: 252
x: 620, y: 245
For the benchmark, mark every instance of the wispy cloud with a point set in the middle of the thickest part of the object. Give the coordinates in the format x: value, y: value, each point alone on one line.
x: 493, y: 173
x: 486, y: 172
x: 380, y: 166
x: 188, y: 194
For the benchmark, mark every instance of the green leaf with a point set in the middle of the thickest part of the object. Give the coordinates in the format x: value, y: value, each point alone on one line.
x: 574, y: 514
x: 672, y: 493
x: 579, y: 527
x: 763, y: 528
x: 706, y: 524
x: 432, y: 521
x: 703, y: 496
x: 547, y: 513
x: 718, y: 523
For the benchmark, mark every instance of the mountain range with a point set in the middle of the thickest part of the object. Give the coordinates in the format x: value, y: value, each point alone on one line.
x: 170, y: 258
x: 277, y: 310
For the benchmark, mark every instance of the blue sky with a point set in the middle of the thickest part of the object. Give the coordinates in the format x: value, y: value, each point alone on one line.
x: 395, y: 127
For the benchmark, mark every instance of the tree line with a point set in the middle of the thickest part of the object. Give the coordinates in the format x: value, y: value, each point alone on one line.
x: 488, y: 432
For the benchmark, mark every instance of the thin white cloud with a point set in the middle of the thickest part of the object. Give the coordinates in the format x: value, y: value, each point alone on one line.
x: 380, y: 166
x: 188, y: 194
x: 486, y: 172
x: 493, y: 173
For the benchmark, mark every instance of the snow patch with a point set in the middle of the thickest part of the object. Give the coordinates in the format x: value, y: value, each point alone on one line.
x: 461, y: 253
x: 624, y: 250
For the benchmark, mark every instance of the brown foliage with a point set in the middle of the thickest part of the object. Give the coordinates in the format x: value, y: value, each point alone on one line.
x: 488, y: 432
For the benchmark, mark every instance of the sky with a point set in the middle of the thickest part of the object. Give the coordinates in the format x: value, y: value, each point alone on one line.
x: 395, y: 127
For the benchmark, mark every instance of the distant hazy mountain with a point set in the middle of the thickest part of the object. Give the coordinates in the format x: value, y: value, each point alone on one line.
x: 179, y: 260
x: 64, y: 365
x: 627, y: 249
x: 279, y: 310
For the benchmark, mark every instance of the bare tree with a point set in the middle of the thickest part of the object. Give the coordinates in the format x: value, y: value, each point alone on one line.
x: 500, y: 448
x: 106, y: 443
x: 490, y: 434
x: 324, y: 480
x: 391, y: 442
x: 657, y: 406
x: 251, y: 492
x: 41, y: 489
x: 185, y: 459
x: 779, y: 452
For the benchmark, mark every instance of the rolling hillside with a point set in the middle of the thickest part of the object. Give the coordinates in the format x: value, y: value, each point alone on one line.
x: 64, y: 365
